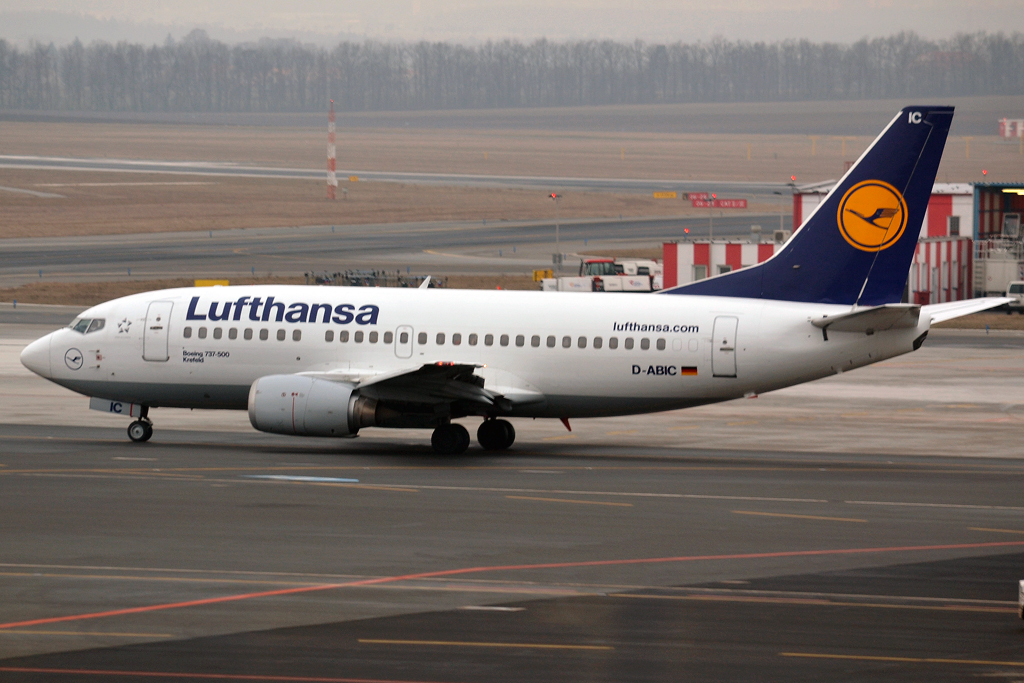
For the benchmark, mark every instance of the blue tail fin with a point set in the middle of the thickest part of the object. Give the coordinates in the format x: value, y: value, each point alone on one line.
x: 857, y: 246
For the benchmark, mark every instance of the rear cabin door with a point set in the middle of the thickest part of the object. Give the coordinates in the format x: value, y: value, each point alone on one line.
x: 403, y: 341
x: 154, y: 338
x: 723, y: 347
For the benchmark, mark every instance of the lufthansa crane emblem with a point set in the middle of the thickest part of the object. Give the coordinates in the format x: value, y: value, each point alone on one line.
x: 872, y: 215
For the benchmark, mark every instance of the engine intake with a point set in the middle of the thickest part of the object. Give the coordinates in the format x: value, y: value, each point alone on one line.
x: 305, y: 406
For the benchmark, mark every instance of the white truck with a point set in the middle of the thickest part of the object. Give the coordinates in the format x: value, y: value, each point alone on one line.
x: 1015, y: 291
x: 610, y: 275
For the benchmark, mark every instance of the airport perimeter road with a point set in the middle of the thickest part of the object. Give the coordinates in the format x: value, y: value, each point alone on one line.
x: 452, y: 179
x: 454, y: 247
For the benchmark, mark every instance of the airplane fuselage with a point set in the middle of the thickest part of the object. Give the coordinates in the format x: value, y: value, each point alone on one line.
x: 551, y: 354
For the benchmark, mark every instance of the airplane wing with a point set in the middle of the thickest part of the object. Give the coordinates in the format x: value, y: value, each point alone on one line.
x: 954, y: 309
x: 430, y: 383
x: 871, y: 319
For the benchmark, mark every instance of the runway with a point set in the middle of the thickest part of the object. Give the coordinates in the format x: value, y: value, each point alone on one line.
x: 869, y: 526
x: 220, y: 169
x: 486, y: 246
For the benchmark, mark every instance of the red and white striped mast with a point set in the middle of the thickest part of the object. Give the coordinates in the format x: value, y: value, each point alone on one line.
x: 332, y: 178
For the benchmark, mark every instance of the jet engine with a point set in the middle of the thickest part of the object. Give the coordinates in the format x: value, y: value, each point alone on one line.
x: 305, y: 406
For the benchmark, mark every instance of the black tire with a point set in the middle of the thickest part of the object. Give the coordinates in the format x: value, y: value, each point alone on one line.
x: 510, y: 433
x: 495, y: 435
x: 140, y: 431
x: 450, y: 439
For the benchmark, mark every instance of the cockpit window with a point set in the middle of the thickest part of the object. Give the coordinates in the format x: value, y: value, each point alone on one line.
x: 87, y: 325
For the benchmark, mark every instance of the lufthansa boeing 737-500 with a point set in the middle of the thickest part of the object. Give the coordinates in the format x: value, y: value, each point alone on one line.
x: 329, y: 361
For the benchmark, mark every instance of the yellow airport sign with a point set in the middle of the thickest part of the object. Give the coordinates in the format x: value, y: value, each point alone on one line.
x: 665, y: 195
x: 211, y: 283
x: 539, y: 275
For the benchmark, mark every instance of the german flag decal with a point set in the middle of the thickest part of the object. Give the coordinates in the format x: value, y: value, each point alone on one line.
x: 688, y: 371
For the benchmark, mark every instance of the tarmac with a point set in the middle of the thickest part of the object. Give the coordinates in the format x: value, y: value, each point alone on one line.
x: 867, y: 526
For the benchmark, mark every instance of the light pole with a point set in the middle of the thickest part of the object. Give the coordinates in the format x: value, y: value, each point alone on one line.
x: 558, y: 249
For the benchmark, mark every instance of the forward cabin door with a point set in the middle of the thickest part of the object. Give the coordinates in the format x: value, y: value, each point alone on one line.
x: 154, y: 337
x: 403, y: 341
x: 723, y: 347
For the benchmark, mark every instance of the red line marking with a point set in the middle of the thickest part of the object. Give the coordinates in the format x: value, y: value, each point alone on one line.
x: 221, y: 677
x: 511, y: 567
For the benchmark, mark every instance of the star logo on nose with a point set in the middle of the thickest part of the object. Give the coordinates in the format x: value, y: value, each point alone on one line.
x: 124, y: 326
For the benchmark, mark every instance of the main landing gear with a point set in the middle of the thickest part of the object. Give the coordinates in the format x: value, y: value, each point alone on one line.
x: 141, y: 429
x: 453, y: 438
x: 495, y: 435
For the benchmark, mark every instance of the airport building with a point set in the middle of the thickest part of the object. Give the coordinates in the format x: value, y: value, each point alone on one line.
x: 971, y: 243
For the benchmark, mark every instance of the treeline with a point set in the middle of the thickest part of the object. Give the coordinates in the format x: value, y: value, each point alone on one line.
x: 197, y: 74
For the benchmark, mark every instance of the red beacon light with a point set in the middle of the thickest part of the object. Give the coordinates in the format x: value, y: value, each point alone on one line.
x: 792, y: 178
x: 984, y: 171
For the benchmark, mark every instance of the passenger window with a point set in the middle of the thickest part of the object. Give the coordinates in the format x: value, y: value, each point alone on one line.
x: 472, y: 339
x: 598, y: 342
x: 358, y: 337
x: 661, y: 344
x: 329, y: 336
x: 440, y: 339
x: 551, y: 341
x: 80, y: 326
x: 187, y: 333
x: 613, y: 342
x: 217, y: 333
x: 96, y: 325
x: 389, y: 337
x: 628, y: 343
x: 422, y: 338
x: 202, y: 333
x: 248, y: 333
x: 520, y: 340
x: 373, y: 337
x: 581, y: 342
x: 281, y: 334
x: 535, y: 341
x: 645, y: 343
x: 489, y: 340
x: 403, y: 338
x: 566, y: 341
x: 264, y: 334
x: 456, y: 339
x: 343, y: 336
x: 504, y: 340
x: 233, y: 333
x: 296, y: 335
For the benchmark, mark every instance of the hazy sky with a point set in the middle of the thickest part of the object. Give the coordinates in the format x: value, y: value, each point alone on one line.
x: 478, y: 20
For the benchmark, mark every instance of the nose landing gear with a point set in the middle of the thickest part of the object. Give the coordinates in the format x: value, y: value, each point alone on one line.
x: 141, y: 429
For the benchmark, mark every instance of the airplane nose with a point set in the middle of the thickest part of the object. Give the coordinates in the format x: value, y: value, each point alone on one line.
x: 36, y: 356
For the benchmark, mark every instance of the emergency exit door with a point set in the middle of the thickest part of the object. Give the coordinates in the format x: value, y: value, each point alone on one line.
x: 403, y: 342
x: 158, y: 325
x: 723, y: 347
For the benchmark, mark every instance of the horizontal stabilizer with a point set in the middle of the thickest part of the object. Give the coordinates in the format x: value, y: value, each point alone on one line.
x: 871, y: 320
x: 955, y: 309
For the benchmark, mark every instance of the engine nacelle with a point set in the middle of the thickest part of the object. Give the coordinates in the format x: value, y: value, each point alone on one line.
x: 305, y: 406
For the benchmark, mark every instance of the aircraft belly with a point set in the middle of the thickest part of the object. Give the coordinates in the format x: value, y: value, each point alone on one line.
x: 165, y: 395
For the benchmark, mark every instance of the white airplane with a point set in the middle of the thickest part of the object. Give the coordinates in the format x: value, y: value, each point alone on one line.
x: 329, y: 361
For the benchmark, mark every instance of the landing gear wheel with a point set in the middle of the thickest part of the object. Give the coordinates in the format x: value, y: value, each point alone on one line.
x: 450, y: 439
x: 140, y: 430
x: 495, y: 435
